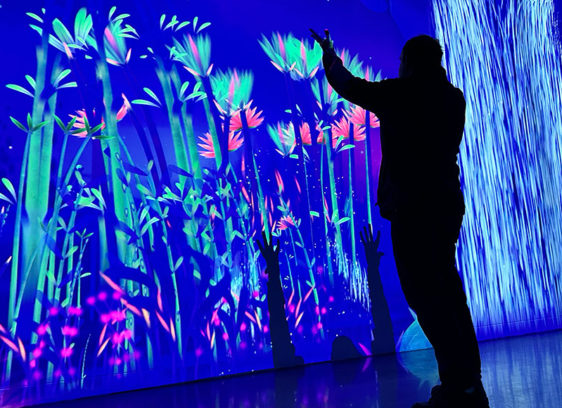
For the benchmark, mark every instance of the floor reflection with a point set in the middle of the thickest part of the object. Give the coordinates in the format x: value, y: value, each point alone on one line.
x: 518, y: 372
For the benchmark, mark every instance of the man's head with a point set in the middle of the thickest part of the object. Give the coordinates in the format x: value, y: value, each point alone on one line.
x: 421, y: 54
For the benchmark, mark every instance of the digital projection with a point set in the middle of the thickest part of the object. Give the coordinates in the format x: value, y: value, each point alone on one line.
x: 145, y: 149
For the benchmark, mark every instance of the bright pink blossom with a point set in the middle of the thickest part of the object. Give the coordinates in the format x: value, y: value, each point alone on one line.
x: 74, y: 311
x: 235, y: 140
x: 253, y: 119
x: 70, y: 331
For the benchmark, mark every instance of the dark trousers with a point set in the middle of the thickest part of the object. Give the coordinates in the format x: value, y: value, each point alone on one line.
x: 424, y: 251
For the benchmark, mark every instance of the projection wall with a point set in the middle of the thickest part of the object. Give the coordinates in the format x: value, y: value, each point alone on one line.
x: 146, y: 145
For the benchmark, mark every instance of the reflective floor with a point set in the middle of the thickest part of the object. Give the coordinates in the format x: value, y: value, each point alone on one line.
x: 517, y: 372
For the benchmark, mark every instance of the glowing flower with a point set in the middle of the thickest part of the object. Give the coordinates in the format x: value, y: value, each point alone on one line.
x: 235, y: 140
x: 42, y: 329
x: 70, y: 331
x: 306, y: 136
x: 357, y: 115
x: 66, y: 352
x: 253, y: 119
x: 285, y: 222
x: 194, y: 54
x: 82, y: 119
x: 284, y: 138
x: 300, y: 58
x: 342, y: 128
x: 232, y: 90
x: 74, y: 311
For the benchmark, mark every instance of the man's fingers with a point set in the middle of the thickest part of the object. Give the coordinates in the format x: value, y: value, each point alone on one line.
x: 315, y: 35
x: 327, y: 32
x: 278, y: 247
x: 264, y: 237
x: 362, y: 239
x: 259, y: 245
x: 371, y: 231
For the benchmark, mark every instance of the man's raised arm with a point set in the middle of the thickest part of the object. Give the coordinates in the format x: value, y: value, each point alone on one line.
x: 368, y: 95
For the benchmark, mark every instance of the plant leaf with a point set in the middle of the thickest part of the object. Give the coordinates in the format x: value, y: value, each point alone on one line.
x: 18, y: 124
x: 152, y: 95
x: 18, y: 88
x: 144, y: 102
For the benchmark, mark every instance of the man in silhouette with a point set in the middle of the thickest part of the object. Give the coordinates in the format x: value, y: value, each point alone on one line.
x: 422, y: 120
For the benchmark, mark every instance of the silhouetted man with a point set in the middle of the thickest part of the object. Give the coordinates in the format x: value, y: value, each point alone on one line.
x: 422, y: 120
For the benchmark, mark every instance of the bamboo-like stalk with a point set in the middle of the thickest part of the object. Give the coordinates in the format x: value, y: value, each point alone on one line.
x: 173, y: 118
x: 351, y: 168
x: 367, y: 162
x: 16, y: 253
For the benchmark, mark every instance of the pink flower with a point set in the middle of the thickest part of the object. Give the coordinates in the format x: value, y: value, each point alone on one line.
x: 66, y: 352
x: 225, y: 336
x: 74, y: 311
x: 117, y: 315
x: 72, y: 371
x: 198, y: 351
x: 253, y: 119
x: 42, y: 329
x: 357, y: 115
x: 53, y: 311
x: 306, y: 136
x: 91, y: 300
x: 243, y: 326
x: 343, y: 128
x: 69, y: 331
x: 81, y: 118
x: 127, y: 334
x: 116, y: 295
x: 286, y: 222
x: 102, y: 296
x: 37, y: 352
x: 235, y: 140
x: 117, y: 338
x: 105, y: 317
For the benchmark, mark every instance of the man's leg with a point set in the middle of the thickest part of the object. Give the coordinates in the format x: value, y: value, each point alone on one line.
x: 425, y: 258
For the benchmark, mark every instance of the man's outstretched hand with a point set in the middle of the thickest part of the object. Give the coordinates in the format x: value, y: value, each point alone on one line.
x: 269, y: 253
x: 325, y: 43
x: 370, y: 244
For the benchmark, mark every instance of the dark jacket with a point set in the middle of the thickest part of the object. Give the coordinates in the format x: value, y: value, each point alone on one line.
x: 421, y: 124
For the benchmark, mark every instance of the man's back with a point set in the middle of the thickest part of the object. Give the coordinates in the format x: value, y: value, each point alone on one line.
x: 422, y: 121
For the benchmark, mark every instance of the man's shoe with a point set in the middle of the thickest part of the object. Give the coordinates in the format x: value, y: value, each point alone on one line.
x: 438, y: 399
x: 441, y: 397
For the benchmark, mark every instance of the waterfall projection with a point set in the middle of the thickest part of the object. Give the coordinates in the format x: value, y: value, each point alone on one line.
x: 506, y: 58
